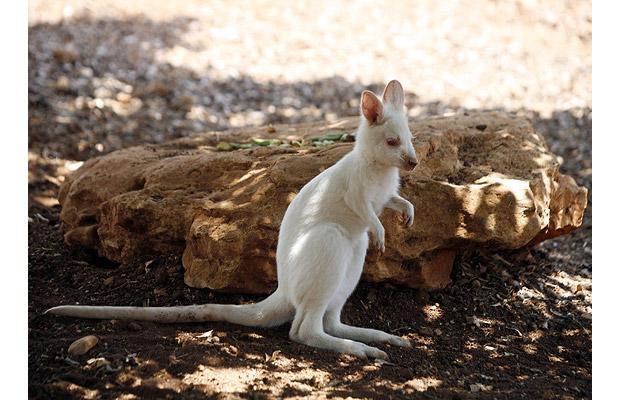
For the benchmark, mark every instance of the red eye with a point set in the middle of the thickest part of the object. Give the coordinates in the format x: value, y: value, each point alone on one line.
x: 393, y: 141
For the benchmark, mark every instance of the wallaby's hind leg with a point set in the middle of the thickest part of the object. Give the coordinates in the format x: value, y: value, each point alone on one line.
x: 318, y: 270
x: 334, y: 326
x: 332, y: 322
x: 309, y: 331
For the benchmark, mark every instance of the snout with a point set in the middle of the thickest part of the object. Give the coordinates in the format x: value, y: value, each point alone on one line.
x: 409, y: 162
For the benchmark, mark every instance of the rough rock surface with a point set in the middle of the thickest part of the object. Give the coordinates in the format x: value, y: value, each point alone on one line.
x: 485, y: 181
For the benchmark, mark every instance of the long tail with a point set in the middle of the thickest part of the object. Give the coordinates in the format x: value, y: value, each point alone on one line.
x: 272, y: 311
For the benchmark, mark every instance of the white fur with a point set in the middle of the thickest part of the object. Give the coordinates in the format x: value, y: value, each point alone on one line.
x: 322, y: 243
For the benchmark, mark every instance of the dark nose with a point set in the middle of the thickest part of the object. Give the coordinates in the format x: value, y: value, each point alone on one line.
x: 411, y: 164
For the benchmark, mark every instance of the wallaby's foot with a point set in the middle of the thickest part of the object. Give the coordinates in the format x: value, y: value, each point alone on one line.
x: 364, y: 351
x: 399, y: 341
x: 322, y: 340
x: 365, y: 335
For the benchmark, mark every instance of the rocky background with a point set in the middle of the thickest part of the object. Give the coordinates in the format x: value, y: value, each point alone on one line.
x: 108, y: 75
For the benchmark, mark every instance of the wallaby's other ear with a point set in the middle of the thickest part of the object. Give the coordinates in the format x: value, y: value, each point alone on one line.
x: 394, y: 94
x: 372, y: 109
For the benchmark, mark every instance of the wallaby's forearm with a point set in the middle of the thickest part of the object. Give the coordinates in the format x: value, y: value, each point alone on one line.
x: 397, y: 203
x: 403, y: 206
x: 363, y: 209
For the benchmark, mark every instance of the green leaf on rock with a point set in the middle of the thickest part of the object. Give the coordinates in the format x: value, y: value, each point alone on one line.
x: 266, y: 142
x: 224, y: 146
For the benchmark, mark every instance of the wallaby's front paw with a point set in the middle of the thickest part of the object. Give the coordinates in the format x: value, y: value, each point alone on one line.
x: 408, y: 215
x: 379, y: 235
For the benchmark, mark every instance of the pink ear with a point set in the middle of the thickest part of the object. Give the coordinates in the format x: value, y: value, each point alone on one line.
x: 394, y: 94
x: 371, y: 107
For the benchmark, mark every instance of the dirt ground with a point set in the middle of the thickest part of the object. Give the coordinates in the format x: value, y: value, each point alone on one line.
x: 103, y: 76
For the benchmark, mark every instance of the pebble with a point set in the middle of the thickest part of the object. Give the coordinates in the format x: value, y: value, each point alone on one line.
x: 134, y: 326
x: 97, y: 362
x: 83, y: 345
x: 232, y: 350
x: 64, y: 56
x: 479, y: 387
x: 473, y: 320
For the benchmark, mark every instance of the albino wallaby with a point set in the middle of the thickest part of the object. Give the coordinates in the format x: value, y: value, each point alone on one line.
x: 322, y: 243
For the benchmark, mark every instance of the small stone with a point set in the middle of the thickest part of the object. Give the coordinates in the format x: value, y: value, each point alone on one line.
x: 157, y: 89
x: 134, y: 326
x: 64, y: 56
x: 108, y: 281
x: 476, y: 284
x: 97, y: 362
x: 479, y: 387
x: 115, y: 323
x: 438, y: 332
x: 123, y: 97
x: 370, y: 368
x: 473, y: 320
x: 232, y: 350
x: 83, y: 345
x: 62, y: 83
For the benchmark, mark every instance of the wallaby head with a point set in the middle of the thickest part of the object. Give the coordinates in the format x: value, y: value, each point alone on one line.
x: 385, y: 138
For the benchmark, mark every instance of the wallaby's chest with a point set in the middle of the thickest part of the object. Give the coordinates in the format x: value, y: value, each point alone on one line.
x: 382, y: 189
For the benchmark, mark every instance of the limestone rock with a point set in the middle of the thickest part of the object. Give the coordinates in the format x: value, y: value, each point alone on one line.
x: 485, y: 181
